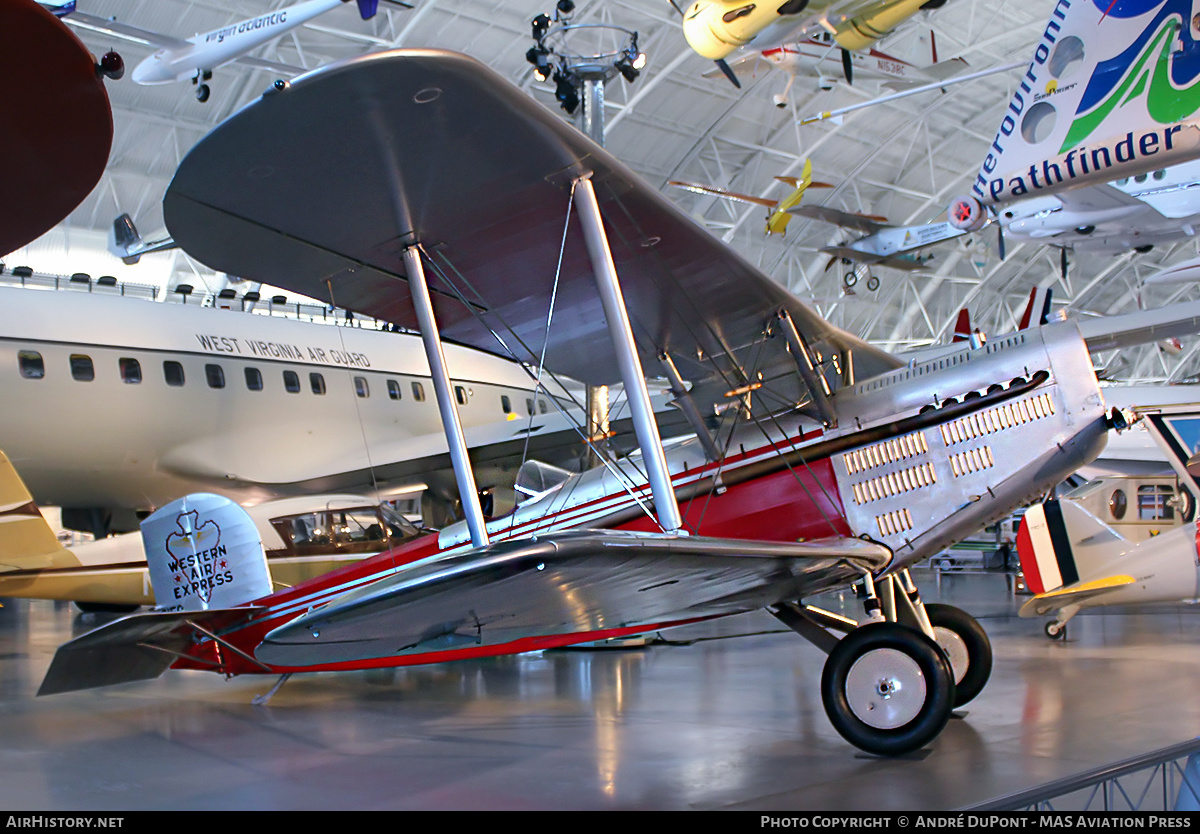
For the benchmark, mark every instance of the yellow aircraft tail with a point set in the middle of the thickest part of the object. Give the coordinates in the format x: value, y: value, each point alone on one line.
x: 26, y: 540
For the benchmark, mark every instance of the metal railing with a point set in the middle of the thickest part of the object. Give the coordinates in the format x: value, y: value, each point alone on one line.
x: 184, y: 294
x: 1164, y: 780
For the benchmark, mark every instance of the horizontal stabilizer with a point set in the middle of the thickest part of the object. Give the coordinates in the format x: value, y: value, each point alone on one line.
x: 566, y: 585
x: 1073, y: 595
x: 134, y: 648
x: 26, y: 540
x: 1142, y: 327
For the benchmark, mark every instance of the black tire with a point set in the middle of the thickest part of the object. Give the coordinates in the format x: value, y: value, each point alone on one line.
x: 202, y: 93
x: 918, y: 674
x: 1055, y: 631
x: 959, y: 633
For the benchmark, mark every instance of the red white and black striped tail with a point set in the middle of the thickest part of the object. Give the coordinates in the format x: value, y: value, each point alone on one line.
x: 962, y: 327
x: 1060, y: 544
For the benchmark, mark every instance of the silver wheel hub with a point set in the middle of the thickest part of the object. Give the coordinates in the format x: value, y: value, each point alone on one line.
x: 885, y: 689
x: 956, y: 650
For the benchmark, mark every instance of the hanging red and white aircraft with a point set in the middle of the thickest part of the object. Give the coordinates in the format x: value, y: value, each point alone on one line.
x: 812, y: 58
x: 196, y: 58
x: 822, y: 460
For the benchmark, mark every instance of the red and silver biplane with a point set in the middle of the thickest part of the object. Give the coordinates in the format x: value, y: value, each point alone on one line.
x: 422, y: 188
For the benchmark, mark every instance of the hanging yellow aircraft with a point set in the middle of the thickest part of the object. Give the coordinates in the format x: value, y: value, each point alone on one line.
x: 780, y: 210
x: 715, y: 28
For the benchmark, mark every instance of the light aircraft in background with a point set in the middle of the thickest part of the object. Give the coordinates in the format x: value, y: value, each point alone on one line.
x: 881, y: 244
x: 195, y: 58
x: 810, y: 57
x: 302, y: 538
x: 779, y: 212
x: 1073, y: 560
x: 716, y: 28
x: 822, y: 442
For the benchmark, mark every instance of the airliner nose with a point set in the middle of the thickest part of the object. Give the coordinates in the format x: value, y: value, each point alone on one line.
x: 152, y: 70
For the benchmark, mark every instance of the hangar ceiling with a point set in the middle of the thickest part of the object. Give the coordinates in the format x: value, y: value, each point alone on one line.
x: 904, y: 160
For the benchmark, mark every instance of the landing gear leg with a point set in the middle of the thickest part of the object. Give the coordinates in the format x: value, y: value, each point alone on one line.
x: 959, y: 635
x: 1056, y: 629
x: 202, y: 90
x: 263, y: 700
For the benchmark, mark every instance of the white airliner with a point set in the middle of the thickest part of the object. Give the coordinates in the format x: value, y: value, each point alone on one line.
x: 115, y: 404
x: 195, y: 58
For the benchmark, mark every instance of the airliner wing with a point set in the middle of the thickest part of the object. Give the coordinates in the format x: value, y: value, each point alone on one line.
x: 321, y: 186
x: 570, y: 583
x: 112, y: 26
x: 1098, y: 198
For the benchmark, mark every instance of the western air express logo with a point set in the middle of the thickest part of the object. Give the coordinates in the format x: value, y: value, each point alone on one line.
x: 1160, y: 69
x: 198, y: 561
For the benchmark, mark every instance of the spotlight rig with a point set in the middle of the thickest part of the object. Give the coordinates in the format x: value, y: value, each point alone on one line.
x: 574, y: 54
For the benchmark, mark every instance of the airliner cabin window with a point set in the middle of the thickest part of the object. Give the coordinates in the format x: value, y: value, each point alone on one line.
x: 215, y: 375
x: 82, y: 368
x: 131, y: 370
x: 291, y: 382
x: 31, y: 364
x: 393, y: 389
x: 254, y: 380
x: 418, y: 392
x: 460, y: 394
x: 529, y: 406
x: 361, y: 388
x: 318, y: 383
x: 173, y: 373
x: 506, y: 403
x: 542, y: 407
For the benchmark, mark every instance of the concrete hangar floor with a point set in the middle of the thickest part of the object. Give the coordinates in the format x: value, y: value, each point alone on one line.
x: 723, y: 716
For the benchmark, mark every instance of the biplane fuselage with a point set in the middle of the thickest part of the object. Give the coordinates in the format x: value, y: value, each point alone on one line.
x: 920, y: 458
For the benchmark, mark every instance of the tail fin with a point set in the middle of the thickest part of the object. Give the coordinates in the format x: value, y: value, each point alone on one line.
x: 1108, y: 94
x: 1060, y: 543
x: 26, y: 540
x: 204, y: 552
x: 367, y: 8
x: 124, y: 240
x: 962, y: 327
x: 1037, y: 310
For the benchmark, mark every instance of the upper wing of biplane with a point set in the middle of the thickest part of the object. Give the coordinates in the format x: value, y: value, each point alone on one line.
x: 321, y: 185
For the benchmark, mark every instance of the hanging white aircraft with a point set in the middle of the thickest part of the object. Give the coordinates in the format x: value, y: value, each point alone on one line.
x: 810, y: 57
x: 196, y: 58
x: 115, y: 405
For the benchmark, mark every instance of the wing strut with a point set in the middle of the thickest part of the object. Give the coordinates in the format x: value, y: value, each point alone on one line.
x: 621, y: 333
x: 818, y: 387
x: 688, y: 406
x: 451, y: 424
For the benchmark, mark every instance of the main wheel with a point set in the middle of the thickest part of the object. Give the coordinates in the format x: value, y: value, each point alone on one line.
x: 966, y: 645
x: 887, y: 689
